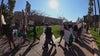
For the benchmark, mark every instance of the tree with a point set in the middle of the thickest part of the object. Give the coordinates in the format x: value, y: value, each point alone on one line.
x: 7, y: 10
x: 95, y: 15
x: 38, y: 13
x: 11, y: 5
x: 80, y: 19
x: 89, y: 16
x: 99, y: 15
x: 64, y: 19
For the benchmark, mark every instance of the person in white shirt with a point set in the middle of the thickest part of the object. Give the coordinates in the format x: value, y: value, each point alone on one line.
x: 68, y: 36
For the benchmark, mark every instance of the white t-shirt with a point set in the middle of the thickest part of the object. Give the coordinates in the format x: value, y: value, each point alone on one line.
x: 66, y: 35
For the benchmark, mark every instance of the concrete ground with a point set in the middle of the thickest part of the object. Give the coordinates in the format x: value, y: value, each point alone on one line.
x: 84, y: 47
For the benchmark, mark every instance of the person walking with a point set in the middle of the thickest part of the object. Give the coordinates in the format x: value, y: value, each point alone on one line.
x: 24, y: 33
x: 68, y: 36
x: 7, y: 30
x: 48, y: 38
x: 61, y: 32
x: 71, y: 36
x: 75, y: 31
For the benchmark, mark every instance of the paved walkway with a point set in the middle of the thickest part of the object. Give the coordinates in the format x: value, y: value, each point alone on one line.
x: 86, y: 47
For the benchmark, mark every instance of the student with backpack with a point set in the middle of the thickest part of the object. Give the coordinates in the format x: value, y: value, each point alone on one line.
x: 48, y: 38
x: 61, y: 32
x: 68, y: 36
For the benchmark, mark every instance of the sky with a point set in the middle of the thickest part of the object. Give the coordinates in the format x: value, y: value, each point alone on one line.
x: 70, y: 9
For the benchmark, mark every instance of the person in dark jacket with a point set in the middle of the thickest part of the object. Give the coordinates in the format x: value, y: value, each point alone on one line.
x: 7, y: 30
x: 48, y: 40
x: 61, y: 32
x: 75, y: 30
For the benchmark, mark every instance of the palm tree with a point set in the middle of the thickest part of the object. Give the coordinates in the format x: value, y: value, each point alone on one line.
x: 90, y: 9
x: 1, y: 10
x: 99, y: 15
x: 11, y: 5
x: 0, y: 14
x: 89, y: 16
x: 95, y: 15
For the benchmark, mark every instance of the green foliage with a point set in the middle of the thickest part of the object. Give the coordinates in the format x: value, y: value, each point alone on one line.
x: 39, y: 30
x: 96, y: 37
x: 56, y: 31
x: 11, y: 4
x: 7, y: 10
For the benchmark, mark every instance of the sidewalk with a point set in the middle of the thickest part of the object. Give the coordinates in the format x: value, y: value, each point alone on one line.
x: 80, y: 48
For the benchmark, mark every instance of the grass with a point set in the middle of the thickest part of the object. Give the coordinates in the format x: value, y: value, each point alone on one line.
x: 56, y: 31
x: 96, y: 37
x: 39, y: 32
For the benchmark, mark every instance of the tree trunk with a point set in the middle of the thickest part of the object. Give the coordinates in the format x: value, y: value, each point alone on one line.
x: 99, y: 16
x: 1, y: 14
x: 94, y: 16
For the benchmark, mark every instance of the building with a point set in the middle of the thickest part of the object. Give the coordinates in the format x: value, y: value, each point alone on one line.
x: 37, y: 19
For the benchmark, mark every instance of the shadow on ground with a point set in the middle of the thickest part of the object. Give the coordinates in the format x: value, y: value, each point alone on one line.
x: 47, y: 52
x: 73, y: 51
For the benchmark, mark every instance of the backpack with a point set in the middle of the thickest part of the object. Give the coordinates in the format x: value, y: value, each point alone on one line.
x: 19, y: 33
x: 71, y: 39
